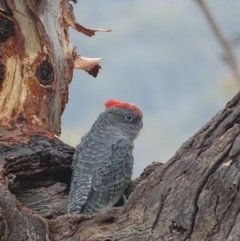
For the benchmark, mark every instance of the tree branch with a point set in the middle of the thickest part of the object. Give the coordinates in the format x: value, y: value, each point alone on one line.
x: 229, y: 55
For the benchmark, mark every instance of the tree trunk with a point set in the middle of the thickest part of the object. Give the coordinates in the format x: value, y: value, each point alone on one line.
x: 194, y: 196
x: 37, y: 64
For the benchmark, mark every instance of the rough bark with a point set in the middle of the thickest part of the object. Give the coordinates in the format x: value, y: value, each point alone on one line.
x: 194, y: 196
x: 34, y: 174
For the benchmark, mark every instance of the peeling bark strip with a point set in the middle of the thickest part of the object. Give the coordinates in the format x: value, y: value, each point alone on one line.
x: 6, y: 29
x: 90, y: 65
x: 45, y: 72
x: 70, y: 20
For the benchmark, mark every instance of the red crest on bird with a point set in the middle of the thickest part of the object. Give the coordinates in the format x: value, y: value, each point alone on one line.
x: 125, y: 105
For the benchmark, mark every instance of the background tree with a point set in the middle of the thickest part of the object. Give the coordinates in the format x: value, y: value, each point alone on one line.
x: 194, y: 196
x: 229, y: 55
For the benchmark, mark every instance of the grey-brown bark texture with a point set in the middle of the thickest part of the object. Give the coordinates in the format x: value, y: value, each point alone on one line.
x: 194, y: 196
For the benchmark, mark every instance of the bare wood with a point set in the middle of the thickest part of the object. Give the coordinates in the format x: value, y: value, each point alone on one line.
x: 36, y: 64
x: 37, y: 69
x: 229, y: 55
x: 90, y: 65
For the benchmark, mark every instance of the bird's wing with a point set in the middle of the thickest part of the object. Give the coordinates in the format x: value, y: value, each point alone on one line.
x: 120, y: 171
x: 111, y: 177
x: 91, y: 155
x: 79, y: 191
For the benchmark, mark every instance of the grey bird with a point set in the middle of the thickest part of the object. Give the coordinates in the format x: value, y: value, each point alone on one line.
x: 103, y: 161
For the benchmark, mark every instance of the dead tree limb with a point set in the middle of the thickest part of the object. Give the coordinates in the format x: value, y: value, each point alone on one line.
x: 225, y: 43
x: 194, y: 196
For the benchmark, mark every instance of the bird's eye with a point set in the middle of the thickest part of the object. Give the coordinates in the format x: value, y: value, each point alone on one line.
x: 129, y: 118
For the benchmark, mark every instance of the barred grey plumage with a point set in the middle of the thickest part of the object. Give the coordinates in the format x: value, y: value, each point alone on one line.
x: 103, y: 162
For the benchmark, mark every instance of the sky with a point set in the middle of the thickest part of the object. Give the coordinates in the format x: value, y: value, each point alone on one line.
x: 162, y: 56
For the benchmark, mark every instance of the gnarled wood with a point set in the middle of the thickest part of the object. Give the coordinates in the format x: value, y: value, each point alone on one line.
x: 19, y: 223
x: 38, y: 174
x: 194, y: 196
